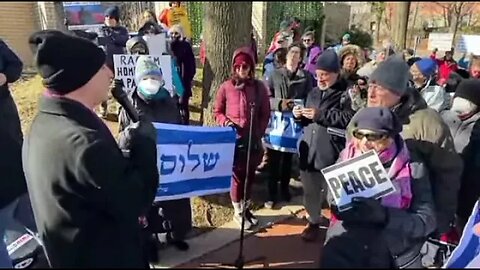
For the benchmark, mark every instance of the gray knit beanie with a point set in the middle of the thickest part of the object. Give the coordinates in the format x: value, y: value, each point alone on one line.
x: 392, y: 74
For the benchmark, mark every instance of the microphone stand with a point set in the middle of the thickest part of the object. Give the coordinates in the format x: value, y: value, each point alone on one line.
x: 240, y: 261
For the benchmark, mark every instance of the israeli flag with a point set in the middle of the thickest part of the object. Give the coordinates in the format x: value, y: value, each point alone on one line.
x: 467, y: 253
x: 193, y: 160
x: 282, y: 133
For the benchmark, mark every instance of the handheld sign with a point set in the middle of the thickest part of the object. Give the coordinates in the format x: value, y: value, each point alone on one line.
x: 469, y: 44
x: 441, y: 41
x: 362, y: 176
x: 282, y: 133
x: 124, y: 65
x: 157, y: 44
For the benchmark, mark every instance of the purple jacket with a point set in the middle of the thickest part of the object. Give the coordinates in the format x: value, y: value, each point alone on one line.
x: 311, y: 58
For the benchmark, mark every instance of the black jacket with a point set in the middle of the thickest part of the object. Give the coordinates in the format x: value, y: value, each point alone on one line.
x: 284, y: 85
x: 12, y: 179
x: 179, y: 212
x: 113, y: 40
x: 86, y: 196
x: 318, y: 149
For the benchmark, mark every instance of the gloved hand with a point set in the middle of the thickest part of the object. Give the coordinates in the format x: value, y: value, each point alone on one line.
x: 287, y: 105
x: 118, y: 84
x: 364, y: 211
x: 139, y: 139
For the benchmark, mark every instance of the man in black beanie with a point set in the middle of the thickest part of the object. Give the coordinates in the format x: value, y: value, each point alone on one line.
x: 85, y: 194
x: 113, y: 38
x: 327, y: 105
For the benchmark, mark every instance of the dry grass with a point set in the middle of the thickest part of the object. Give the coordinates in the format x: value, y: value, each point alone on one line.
x: 208, y: 212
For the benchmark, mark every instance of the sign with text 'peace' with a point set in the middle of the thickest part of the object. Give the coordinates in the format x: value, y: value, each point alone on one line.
x: 282, y: 133
x: 362, y: 176
x: 193, y: 160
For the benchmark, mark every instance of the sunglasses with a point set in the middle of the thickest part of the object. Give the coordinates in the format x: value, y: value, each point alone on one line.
x: 371, y: 137
x: 175, y: 34
x: 242, y: 66
x: 307, y: 40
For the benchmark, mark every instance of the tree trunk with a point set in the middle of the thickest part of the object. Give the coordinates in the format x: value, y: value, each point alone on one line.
x: 412, y: 28
x: 403, y: 14
x: 227, y: 26
x: 60, y: 14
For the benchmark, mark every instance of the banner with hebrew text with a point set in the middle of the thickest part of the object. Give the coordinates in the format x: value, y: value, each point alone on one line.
x: 282, y: 133
x: 193, y: 160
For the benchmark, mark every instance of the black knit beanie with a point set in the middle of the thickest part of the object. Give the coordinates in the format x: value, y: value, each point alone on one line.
x: 469, y: 89
x: 65, y: 62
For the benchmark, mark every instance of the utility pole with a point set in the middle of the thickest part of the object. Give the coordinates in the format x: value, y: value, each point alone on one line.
x: 403, y: 12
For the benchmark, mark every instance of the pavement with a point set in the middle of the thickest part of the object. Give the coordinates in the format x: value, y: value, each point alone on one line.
x: 276, y: 237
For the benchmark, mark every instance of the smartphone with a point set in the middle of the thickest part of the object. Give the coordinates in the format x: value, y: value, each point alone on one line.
x: 299, y: 103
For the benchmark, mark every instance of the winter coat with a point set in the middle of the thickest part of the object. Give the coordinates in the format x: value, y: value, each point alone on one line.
x: 444, y: 69
x: 395, y: 243
x: 318, y: 149
x: 351, y: 76
x: 113, y: 40
x: 232, y: 103
x: 86, y: 196
x: 435, y: 96
x: 183, y: 53
x: 430, y: 142
x: 311, y: 59
x: 284, y: 85
x: 179, y: 212
x: 12, y: 178
x: 460, y: 130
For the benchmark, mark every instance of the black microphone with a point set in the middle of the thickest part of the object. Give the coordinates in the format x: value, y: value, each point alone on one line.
x: 122, y: 98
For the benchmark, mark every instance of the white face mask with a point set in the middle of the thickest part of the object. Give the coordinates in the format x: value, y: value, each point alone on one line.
x: 462, y: 106
x: 150, y: 86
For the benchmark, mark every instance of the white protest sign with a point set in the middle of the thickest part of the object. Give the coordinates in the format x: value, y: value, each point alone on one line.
x: 124, y: 66
x: 362, y: 176
x: 441, y: 41
x: 469, y: 44
x: 157, y: 44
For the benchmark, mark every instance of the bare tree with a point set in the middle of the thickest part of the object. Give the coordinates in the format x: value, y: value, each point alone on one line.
x: 454, y: 12
x: 60, y: 16
x: 378, y: 9
x: 402, y: 13
x: 227, y: 26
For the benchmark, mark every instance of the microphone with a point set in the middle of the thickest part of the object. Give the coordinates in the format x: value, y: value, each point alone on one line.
x: 122, y: 98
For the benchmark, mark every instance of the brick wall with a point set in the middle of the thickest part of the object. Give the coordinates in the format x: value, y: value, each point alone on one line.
x: 17, y: 22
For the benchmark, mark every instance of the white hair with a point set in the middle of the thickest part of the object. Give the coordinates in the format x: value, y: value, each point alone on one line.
x: 176, y: 28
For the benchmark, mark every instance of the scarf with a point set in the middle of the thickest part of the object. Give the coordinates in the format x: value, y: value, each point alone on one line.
x: 396, y: 160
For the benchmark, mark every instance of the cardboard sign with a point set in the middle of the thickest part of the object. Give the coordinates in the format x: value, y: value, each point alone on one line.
x: 124, y: 65
x: 469, y: 44
x: 441, y: 41
x: 362, y: 176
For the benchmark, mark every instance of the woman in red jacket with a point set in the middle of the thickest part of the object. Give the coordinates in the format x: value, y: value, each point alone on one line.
x: 446, y: 65
x: 232, y: 108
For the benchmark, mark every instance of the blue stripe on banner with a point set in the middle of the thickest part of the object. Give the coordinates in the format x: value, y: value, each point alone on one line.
x: 470, y: 251
x: 183, y: 137
x: 282, y: 141
x: 186, y: 186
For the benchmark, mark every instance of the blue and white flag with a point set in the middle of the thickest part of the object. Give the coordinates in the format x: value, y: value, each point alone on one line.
x: 467, y: 253
x: 283, y: 132
x: 193, y: 160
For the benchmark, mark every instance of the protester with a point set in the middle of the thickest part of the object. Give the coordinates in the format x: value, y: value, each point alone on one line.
x: 475, y: 67
x: 176, y: 14
x: 165, y: 16
x: 137, y: 45
x: 286, y: 84
x: 154, y: 103
x: 13, y: 184
x: 283, y: 37
x: 273, y: 61
x: 232, y: 109
x: 446, y: 65
x: 327, y: 105
x: 296, y: 26
x: 463, y: 121
x: 113, y: 38
x: 182, y: 53
x: 428, y: 138
x: 87, y: 198
x: 150, y: 24
x: 345, y: 42
x: 381, y: 54
x: 351, y: 59
x: 423, y: 79
x: 388, y: 232
x: 313, y: 51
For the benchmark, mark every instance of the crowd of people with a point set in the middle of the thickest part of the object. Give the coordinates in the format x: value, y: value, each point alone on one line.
x: 92, y: 196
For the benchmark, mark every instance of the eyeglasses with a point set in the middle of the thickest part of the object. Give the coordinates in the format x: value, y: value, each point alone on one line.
x: 371, y: 137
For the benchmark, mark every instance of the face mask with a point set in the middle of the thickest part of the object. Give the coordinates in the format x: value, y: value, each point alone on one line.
x: 149, y: 87
x: 462, y: 106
